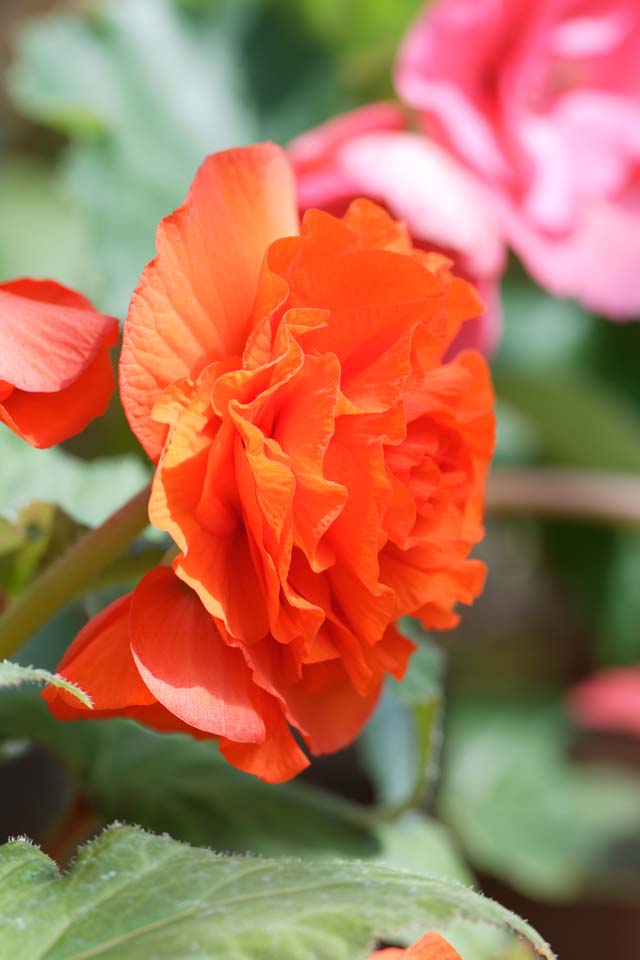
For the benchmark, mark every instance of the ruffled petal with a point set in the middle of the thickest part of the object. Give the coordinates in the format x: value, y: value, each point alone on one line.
x: 193, y: 303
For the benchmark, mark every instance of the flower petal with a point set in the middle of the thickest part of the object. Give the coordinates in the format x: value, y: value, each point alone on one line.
x: 430, y: 947
x: 276, y: 760
x: 187, y: 665
x: 597, y: 263
x: 99, y: 660
x: 49, y: 335
x: 193, y: 303
x: 609, y: 700
x: 444, y: 69
x: 324, y: 705
x: 44, y: 419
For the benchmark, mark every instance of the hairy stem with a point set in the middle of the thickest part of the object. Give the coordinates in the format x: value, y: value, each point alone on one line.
x: 71, y: 573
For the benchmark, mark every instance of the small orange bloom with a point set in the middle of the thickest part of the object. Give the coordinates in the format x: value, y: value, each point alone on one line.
x: 55, y: 371
x: 319, y: 467
x: 430, y: 947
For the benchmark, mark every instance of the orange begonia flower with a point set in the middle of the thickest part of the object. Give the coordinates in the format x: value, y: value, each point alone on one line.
x: 430, y: 947
x: 319, y: 467
x: 55, y: 370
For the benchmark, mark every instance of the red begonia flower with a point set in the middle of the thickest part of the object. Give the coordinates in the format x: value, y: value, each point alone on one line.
x: 55, y: 370
x: 430, y: 947
x: 319, y: 467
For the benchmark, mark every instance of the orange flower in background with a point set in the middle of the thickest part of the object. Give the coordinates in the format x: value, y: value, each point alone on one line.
x: 430, y: 947
x: 55, y: 370
x: 319, y: 468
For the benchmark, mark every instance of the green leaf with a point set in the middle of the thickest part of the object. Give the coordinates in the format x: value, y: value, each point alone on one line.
x: 618, y: 613
x: 579, y: 419
x: 13, y: 675
x: 137, y: 895
x: 523, y: 811
x: 548, y: 372
x: 541, y: 331
x: 42, y: 232
x: 145, y: 93
x: 41, y: 532
x: 401, y: 744
x: 88, y: 492
x: 365, y: 34
x: 420, y: 844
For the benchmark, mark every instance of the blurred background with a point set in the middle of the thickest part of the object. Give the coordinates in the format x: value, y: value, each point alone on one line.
x: 106, y: 109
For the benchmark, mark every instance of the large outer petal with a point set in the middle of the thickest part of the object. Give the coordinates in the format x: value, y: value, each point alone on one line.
x: 205, y: 684
x: 186, y: 664
x: 193, y: 303
x: 276, y: 760
x: 99, y: 660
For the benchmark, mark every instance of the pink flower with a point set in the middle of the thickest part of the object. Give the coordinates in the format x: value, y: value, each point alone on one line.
x: 542, y: 101
x: 370, y: 152
x: 609, y: 700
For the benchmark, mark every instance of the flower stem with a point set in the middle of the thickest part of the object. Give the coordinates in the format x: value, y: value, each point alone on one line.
x: 71, y: 573
x: 593, y: 496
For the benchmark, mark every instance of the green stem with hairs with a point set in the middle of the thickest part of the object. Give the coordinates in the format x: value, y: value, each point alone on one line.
x: 71, y: 573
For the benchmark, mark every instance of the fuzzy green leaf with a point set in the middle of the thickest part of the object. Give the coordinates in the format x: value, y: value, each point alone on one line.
x: 131, y: 894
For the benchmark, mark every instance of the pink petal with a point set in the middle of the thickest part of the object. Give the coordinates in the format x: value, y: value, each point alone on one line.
x: 597, y: 264
x: 609, y: 700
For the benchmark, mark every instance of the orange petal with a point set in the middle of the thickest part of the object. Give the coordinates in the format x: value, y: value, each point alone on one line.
x: 49, y: 334
x: 430, y: 947
x: 44, y: 419
x: 99, y: 660
x: 332, y: 716
x: 55, y: 368
x: 324, y: 705
x: 276, y: 760
x: 193, y: 304
x: 187, y: 665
